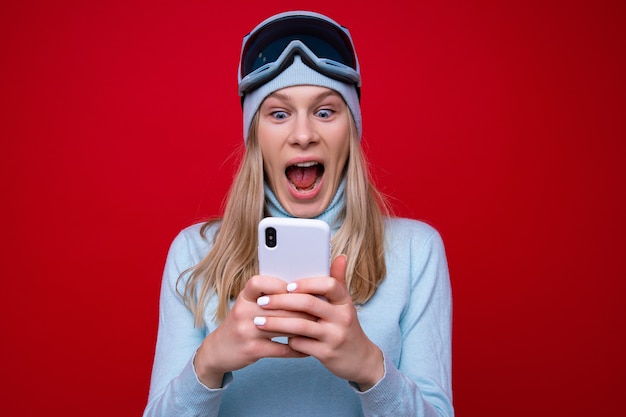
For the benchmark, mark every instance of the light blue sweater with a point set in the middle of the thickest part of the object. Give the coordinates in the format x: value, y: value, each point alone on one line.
x: 409, y: 318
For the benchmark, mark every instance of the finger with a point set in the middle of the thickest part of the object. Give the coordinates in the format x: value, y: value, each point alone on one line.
x: 303, y: 306
x: 269, y: 332
x: 275, y: 308
x: 289, y: 327
x: 259, y: 285
x: 273, y: 349
x: 283, y: 350
x: 338, y: 268
x: 328, y: 289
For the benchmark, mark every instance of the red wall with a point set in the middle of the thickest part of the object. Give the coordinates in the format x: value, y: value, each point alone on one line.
x: 501, y: 124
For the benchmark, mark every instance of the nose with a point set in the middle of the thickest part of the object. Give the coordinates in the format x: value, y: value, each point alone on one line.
x: 304, y: 133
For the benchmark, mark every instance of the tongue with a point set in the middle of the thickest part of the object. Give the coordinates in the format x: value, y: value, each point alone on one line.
x: 302, y: 178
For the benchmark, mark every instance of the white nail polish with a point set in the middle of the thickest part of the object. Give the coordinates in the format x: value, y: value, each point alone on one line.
x: 259, y: 321
x: 263, y: 301
x: 291, y: 287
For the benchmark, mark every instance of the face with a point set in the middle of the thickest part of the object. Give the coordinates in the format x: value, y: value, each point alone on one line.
x: 304, y: 136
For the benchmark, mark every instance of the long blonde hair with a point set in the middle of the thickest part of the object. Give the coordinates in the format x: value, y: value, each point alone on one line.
x: 232, y: 260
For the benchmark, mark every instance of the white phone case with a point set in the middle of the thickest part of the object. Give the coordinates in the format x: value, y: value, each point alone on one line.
x: 300, y: 248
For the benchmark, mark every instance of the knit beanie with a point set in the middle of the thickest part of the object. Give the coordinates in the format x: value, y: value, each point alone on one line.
x: 298, y: 73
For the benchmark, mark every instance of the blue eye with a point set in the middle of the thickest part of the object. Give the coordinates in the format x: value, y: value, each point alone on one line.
x: 279, y: 115
x: 324, y: 113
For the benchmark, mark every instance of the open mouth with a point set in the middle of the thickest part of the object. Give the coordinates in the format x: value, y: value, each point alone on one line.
x: 305, y: 176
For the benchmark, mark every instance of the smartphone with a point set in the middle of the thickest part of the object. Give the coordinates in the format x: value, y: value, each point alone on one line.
x: 293, y: 248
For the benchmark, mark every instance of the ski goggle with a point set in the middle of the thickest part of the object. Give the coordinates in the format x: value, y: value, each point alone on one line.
x: 322, y: 44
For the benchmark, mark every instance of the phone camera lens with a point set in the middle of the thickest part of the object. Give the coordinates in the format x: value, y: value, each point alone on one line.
x: 270, y: 237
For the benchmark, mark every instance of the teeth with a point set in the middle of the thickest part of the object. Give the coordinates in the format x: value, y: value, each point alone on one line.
x: 306, y: 164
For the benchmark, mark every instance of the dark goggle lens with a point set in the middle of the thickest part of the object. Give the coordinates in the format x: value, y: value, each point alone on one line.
x: 322, y: 38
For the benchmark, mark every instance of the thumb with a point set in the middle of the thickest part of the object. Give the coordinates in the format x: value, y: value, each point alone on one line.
x: 338, y: 268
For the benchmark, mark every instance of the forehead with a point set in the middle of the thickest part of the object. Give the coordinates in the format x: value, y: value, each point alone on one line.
x: 303, y: 92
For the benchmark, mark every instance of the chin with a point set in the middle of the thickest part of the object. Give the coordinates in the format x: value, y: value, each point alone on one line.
x: 305, y: 212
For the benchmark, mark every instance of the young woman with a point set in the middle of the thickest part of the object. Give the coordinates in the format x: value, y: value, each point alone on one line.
x: 378, y: 344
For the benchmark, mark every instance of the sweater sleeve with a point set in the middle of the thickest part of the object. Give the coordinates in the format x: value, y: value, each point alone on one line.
x: 174, y: 387
x: 420, y: 384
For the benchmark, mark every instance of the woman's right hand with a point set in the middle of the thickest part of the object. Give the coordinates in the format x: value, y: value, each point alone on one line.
x: 238, y: 342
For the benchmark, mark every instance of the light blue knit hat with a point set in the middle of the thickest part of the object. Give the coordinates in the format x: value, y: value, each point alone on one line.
x: 298, y: 73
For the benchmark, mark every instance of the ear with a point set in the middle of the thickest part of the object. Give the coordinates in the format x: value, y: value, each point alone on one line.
x: 338, y: 268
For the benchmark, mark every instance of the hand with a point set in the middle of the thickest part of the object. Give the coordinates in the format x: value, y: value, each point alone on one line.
x: 238, y: 342
x: 336, y: 338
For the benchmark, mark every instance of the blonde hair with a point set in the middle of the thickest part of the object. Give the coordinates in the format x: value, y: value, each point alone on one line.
x: 232, y: 260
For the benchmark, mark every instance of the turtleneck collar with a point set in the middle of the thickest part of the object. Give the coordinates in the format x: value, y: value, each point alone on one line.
x: 333, y: 214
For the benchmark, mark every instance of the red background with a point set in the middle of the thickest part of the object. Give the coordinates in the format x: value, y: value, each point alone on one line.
x: 501, y: 124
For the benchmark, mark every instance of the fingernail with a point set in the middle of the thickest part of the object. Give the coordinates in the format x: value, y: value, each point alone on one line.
x: 259, y: 321
x: 263, y: 301
x: 291, y: 287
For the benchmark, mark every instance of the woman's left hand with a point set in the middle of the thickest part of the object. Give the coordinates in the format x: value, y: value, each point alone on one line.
x: 336, y: 338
